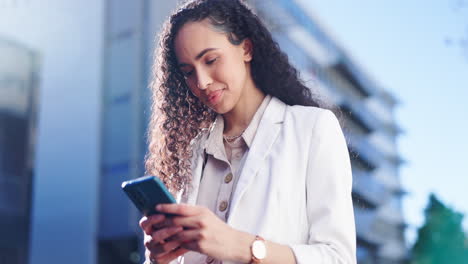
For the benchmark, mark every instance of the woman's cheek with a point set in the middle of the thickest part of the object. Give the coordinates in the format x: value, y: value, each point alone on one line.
x: 194, y: 90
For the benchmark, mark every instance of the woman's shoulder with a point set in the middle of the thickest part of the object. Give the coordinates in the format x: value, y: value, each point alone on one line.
x: 314, y: 124
x: 310, y: 116
x: 308, y: 110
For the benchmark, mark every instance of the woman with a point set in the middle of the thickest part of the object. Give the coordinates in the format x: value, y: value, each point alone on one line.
x: 262, y: 172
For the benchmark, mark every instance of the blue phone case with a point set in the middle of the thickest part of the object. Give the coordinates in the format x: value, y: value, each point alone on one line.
x: 147, y: 192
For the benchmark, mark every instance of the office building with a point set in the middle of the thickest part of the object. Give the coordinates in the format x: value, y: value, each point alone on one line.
x: 19, y: 66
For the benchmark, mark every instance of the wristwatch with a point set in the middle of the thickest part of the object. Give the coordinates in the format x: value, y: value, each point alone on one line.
x: 258, y: 250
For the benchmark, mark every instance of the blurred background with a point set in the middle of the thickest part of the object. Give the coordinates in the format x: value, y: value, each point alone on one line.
x: 74, y: 108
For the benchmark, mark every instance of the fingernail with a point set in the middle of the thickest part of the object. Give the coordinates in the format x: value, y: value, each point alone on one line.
x: 158, y: 207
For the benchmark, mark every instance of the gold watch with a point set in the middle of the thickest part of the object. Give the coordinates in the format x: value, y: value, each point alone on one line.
x: 258, y: 250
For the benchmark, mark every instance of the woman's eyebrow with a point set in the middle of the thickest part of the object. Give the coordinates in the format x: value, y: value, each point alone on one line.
x: 203, y: 53
x: 198, y: 56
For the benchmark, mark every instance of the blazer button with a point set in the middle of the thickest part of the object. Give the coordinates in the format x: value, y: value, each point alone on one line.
x: 228, y: 178
x: 209, y: 260
x: 223, y: 206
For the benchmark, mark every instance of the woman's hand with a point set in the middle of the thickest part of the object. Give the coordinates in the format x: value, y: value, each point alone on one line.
x: 203, y: 231
x: 157, y: 230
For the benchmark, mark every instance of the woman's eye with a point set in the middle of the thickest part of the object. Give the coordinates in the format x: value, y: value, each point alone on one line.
x: 211, y: 61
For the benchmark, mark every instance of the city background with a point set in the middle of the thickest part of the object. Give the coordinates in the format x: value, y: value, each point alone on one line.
x: 74, y: 107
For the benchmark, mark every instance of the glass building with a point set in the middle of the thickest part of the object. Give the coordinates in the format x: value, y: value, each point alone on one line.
x: 19, y: 68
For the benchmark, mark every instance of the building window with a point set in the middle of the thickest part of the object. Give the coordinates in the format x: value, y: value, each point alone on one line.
x: 18, y: 90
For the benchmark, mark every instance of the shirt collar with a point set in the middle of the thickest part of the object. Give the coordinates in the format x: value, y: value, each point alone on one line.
x: 214, y: 144
x: 251, y: 129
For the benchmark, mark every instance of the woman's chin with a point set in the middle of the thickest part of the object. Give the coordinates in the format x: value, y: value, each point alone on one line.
x: 220, y: 108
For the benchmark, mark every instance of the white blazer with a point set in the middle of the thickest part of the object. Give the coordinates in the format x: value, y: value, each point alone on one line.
x: 295, y: 186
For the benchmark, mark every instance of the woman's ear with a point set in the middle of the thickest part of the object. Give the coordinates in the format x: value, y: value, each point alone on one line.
x: 247, y: 46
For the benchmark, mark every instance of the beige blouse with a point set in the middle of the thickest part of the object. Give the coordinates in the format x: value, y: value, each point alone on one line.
x: 224, y: 162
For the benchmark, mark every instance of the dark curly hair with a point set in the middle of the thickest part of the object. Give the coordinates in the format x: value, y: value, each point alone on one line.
x: 177, y: 116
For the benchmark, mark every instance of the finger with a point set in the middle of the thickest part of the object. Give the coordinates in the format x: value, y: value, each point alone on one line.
x: 187, y: 236
x: 189, y: 221
x: 179, y: 209
x: 158, y: 249
x: 160, y: 235
x: 170, y: 246
x: 143, y: 223
x: 167, y: 222
x: 147, y: 222
x: 191, y: 246
x: 168, y: 257
x: 155, y: 242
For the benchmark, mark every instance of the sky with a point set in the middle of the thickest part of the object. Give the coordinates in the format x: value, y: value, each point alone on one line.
x: 411, y: 48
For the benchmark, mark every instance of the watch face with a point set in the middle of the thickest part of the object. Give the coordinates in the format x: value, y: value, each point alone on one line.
x: 259, y: 249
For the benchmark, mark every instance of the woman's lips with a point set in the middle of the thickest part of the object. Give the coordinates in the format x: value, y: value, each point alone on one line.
x: 215, y: 97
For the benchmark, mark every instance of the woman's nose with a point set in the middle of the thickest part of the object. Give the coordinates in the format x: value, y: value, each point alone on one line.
x: 203, y: 80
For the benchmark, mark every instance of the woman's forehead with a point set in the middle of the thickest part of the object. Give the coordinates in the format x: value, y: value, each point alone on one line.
x: 194, y: 37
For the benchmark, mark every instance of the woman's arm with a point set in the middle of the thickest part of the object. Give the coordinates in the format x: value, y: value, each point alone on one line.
x: 207, y: 234
x: 332, y: 235
x: 276, y: 253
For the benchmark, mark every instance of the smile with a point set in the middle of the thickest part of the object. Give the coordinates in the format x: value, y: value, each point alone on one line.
x: 215, y: 97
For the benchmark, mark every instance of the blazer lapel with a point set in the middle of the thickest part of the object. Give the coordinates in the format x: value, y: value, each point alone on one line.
x: 267, y: 132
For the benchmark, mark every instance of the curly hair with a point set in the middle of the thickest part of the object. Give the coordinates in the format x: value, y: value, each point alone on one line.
x: 177, y: 116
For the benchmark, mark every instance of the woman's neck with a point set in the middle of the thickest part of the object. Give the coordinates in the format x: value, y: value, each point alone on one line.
x: 237, y: 120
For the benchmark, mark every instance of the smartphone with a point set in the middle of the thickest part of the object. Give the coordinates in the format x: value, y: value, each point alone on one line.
x: 147, y: 192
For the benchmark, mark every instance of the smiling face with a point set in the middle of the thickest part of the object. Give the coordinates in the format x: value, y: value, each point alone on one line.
x: 215, y: 70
